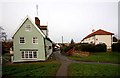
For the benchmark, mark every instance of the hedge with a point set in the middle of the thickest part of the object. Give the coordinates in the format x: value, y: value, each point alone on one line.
x: 91, y: 47
x: 116, y: 47
x: 101, y: 48
x: 85, y: 47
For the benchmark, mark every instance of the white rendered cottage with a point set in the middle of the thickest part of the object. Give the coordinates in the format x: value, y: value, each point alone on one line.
x: 98, y: 37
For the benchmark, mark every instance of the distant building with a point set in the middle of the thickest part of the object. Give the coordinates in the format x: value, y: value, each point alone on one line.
x: 98, y: 37
x: 31, y: 42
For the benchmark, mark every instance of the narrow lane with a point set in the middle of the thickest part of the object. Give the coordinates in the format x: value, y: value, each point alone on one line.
x: 64, y: 64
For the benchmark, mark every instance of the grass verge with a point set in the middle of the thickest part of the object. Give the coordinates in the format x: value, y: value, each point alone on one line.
x: 112, y: 57
x: 31, y: 69
x: 76, y: 69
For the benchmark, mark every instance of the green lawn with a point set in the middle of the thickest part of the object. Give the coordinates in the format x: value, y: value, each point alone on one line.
x: 31, y: 69
x: 112, y: 57
x: 77, y: 69
x: 47, y: 68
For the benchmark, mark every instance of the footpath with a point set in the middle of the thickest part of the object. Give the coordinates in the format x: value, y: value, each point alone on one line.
x: 65, y: 63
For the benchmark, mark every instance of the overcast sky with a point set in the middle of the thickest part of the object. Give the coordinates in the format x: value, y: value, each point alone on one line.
x: 72, y: 19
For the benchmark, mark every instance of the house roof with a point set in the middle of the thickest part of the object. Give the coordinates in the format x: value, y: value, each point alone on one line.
x: 27, y: 17
x: 98, y: 32
x: 49, y: 39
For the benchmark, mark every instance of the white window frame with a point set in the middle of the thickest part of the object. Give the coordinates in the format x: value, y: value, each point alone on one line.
x: 36, y: 40
x: 20, y: 40
x: 28, y: 52
x: 26, y: 27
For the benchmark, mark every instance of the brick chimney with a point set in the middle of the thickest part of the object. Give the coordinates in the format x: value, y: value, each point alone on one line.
x: 37, y: 21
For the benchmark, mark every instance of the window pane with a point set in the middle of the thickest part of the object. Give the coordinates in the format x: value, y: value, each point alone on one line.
x: 22, y: 40
x: 34, y: 54
x: 22, y: 54
x: 35, y: 40
x: 26, y: 54
x: 30, y: 54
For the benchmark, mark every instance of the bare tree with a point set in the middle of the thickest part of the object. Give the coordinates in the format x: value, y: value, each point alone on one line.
x: 3, y: 35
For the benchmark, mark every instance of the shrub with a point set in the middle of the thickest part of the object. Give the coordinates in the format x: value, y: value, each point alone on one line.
x: 115, y: 47
x: 100, y: 48
x: 91, y: 47
x: 85, y: 47
x: 67, y: 48
x: 6, y: 47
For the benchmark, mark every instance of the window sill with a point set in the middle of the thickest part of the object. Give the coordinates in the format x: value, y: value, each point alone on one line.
x: 28, y: 58
x: 34, y: 43
x: 21, y: 43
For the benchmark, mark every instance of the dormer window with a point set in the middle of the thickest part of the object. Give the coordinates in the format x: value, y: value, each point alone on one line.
x: 28, y: 27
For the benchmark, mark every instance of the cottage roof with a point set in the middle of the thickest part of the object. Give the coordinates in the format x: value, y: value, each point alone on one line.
x: 99, y: 32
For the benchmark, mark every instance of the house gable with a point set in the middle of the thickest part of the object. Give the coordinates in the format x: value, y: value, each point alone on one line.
x: 25, y: 19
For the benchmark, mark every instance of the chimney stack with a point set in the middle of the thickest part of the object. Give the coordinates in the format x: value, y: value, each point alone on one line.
x: 37, y: 21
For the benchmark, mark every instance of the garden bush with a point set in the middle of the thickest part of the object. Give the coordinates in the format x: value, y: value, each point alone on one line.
x: 85, y: 47
x: 91, y: 47
x: 6, y: 47
x: 115, y: 47
x: 100, y: 48
x: 66, y: 48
